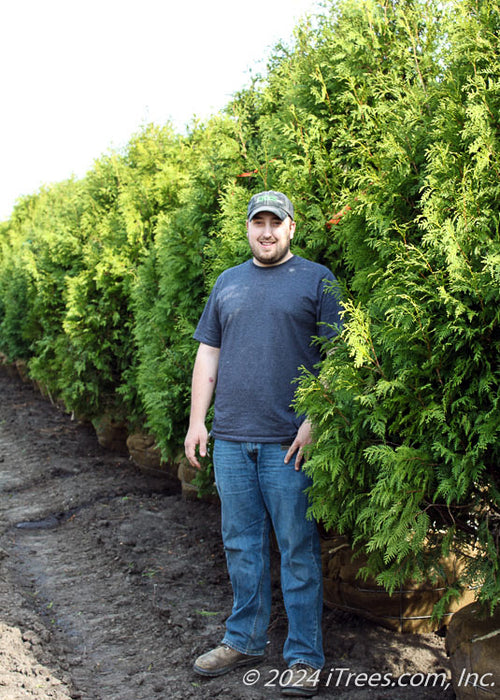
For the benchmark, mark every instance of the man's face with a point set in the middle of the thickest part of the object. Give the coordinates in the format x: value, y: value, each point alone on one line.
x: 269, y: 238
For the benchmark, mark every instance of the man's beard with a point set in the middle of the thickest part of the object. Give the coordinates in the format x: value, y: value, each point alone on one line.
x: 278, y: 255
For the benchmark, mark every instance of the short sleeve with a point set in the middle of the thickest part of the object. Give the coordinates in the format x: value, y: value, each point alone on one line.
x: 329, y: 307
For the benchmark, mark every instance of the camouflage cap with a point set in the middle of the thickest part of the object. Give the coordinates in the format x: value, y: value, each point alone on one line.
x: 275, y: 202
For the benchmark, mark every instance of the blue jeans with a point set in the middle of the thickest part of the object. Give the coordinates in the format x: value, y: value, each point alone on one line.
x: 257, y: 490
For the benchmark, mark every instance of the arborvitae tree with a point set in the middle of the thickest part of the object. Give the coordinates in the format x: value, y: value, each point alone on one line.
x: 171, y: 289
x: 15, y: 289
x: 124, y: 195
x: 45, y: 248
x: 376, y: 65
x: 151, y: 180
x: 406, y: 407
x: 15, y: 293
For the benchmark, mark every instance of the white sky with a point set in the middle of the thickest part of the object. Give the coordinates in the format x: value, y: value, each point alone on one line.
x: 79, y: 78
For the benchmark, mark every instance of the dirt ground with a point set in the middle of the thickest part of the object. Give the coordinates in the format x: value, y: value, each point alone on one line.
x: 111, y: 583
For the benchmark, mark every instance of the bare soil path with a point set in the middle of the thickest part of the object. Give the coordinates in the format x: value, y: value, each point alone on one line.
x: 111, y: 583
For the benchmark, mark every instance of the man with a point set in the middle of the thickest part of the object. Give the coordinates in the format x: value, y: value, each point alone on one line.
x: 255, y: 334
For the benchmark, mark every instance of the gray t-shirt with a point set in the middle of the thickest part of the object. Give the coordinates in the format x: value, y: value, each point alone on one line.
x: 263, y: 320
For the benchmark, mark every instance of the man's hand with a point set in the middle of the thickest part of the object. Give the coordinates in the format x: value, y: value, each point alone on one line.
x: 302, y: 438
x: 197, y: 436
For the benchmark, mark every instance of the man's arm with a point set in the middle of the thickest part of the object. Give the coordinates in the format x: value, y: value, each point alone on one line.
x: 202, y: 389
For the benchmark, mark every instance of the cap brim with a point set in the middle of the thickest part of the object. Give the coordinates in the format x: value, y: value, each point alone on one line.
x: 281, y: 213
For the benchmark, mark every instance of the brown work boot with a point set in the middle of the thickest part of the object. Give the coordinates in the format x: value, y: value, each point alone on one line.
x: 301, y: 680
x: 221, y: 660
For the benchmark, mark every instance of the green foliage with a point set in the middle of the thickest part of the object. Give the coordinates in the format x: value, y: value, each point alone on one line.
x: 380, y: 121
x: 406, y: 408
x: 171, y: 287
x: 44, y: 249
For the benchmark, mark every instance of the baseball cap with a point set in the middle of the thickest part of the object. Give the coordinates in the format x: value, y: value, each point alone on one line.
x: 276, y: 202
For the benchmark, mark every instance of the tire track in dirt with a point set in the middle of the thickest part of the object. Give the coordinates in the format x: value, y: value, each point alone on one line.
x: 71, y: 522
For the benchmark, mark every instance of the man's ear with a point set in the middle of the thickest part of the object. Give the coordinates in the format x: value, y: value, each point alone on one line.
x: 292, y: 229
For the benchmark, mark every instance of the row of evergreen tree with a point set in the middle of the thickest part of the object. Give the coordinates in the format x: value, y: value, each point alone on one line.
x: 381, y: 122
